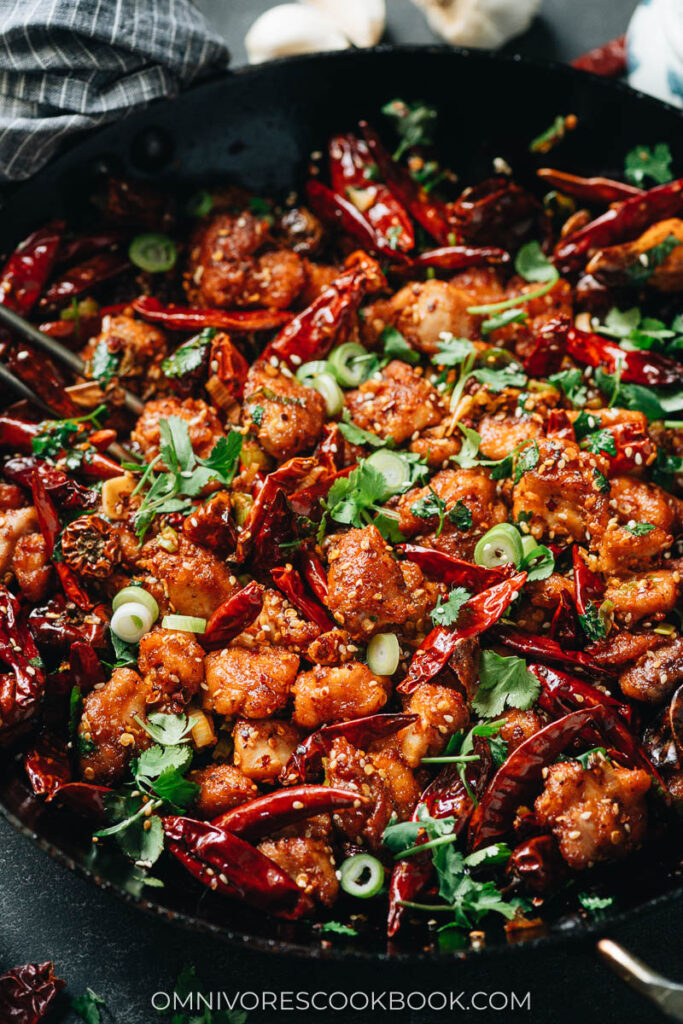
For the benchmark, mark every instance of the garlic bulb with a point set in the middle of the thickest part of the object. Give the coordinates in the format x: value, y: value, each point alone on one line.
x: 486, y: 24
x: 289, y: 29
x: 362, y: 21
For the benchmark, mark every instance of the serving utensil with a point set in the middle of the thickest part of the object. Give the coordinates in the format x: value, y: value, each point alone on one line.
x: 667, y: 994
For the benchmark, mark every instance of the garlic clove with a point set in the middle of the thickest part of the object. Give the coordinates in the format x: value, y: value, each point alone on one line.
x: 289, y: 29
x: 363, y: 21
x: 485, y: 24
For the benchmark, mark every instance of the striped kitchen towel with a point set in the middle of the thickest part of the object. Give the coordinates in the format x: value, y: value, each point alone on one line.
x: 71, y: 65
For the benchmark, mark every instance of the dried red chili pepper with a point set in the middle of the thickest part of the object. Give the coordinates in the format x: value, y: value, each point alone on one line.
x: 273, y: 811
x: 39, y: 372
x: 314, y: 571
x: 232, y: 617
x: 620, y: 224
x: 538, y: 864
x: 48, y: 520
x: 496, y: 212
x: 262, y: 522
x: 351, y: 166
x: 27, y: 993
x: 550, y: 346
x: 480, y: 613
x: 48, y: 765
x: 62, y: 489
x: 82, y: 246
x: 19, y: 434
x: 454, y: 571
x: 231, y: 867
x: 608, y: 60
x: 559, y: 425
x: 86, y: 667
x: 81, y: 278
x: 336, y: 209
x: 288, y: 580
x: 456, y: 257
x: 307, y: 758
x: 635, y: 449
x: 54, y: 629
x: 91, y: 547
x: 635, y: 367
x: 231, y: 367
x: 564, y: 627
x: 307, y: 501
x: 549, y: 650
x: 23, y: 277
x: 212, y: 526
x: 520, y: 772
x: 22, y: 690
x: 429, y: 212
x: 188, y: 318
x: 589, y: 190
x: 446, y: 796
x: 588, y: 586
x: 311, y: 334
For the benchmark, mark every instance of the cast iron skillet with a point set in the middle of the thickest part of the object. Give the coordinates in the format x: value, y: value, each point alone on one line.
x: 257, y: 128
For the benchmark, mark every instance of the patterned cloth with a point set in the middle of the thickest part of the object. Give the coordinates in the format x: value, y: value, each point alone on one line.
x: 71, y: 65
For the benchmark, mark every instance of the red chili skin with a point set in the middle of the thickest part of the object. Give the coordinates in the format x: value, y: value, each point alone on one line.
x: 480, y: 613
x: 231, y: 366
x: 230, y: 866
x: 23, y: 277
x: 311, y: 333
x: 588, y: 586
x: 638, y: 443
x: 62, y: 489
x: 273, y: 811
x: 349, y: 159
x: 38, y: 371
x: 445, y: 796
x: 18, y: 650
x: 637, y: 367
x: 564, y: 628
x: 81, y: 278
x: 53, y: 630
x: 496, y: 211
x: 86, y: 668
x: 429, y: 212
x: 620, y: 224
x: 538, y: 864
x: 608, y: 60
x: 456, y: 257
x: 83, y: 246
x: 454, y: 571
x: 562, y: 693
x: 550, y: 650
x: 336, y: 209
x: 18, y: 435
x: 589, y: 190
x: 314, y: 572
x: 232, y: 617
x: 288, y: 580
x: 551, y: 344
x: 510, y: 786
x: 559, y: 425
x: 47, y: 765
x: 262, y: 522
x: 50, y: 527
x: 306, y: 502
x: 27, y: 993
x: 307, y: 758
x: 187, y: 318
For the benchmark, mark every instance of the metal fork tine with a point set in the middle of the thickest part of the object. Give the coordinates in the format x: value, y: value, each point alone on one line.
x: 58, y: 351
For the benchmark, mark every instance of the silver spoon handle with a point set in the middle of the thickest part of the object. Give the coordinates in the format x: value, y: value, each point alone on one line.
x: 668, y: 995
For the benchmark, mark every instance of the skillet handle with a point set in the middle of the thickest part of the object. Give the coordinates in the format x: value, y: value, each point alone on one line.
x: 668, y: 995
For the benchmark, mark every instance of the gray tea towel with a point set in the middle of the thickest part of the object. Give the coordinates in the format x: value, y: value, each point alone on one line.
x: 71, y: 65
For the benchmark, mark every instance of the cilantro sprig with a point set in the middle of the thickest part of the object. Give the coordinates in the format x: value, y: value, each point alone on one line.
x: 414, y: 124
x: 504, y: 683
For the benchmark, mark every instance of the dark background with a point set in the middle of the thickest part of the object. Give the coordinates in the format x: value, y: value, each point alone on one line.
x: 48, y: 913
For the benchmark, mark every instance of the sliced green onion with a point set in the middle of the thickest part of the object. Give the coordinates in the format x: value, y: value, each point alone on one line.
x: 394, y: 469
x: 353, y: 871
x: 200, y: 204
x: 138, y: 596
x: 348, y: 363
x: 501, y: 545
x: 188, y: 623
x: 529, y: 544
x: 306, y: 373
x: 326, y: 385
x: 383, y: 654
x: 131, y: 621
x: 154, y: 253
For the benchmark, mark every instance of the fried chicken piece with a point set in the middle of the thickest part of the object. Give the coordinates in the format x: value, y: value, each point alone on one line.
x: 32, y: 567
x: 172, y: 662
x: 264, y: 746
x: 309, y: 863
x: 397, y: 404
x: 332, y: 648
x: 422, y: 312
x: 194, y: 581
x: 442, y: 712
x: 655, y: 674
x: 337, y: 692
x: 291, y: 416
x: 253, y: 683
x: 651, y: 595
x: 519, y: 726
x: 221, y: 787
x: 14, y: 524
x: 501, y: 433
x: 279, y: 622
x: 139, y: 348
x: 109, y: 735
x: 203, y: 426
x: 597, y: 813
x: 642, y: 526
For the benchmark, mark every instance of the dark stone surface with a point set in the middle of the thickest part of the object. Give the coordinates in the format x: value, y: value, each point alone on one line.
x: 48, y: 913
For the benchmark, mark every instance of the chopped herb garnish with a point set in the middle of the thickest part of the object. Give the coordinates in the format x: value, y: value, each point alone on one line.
x: 639, y: 529
x: 447, y: 612
x: 642, y: 163
x: 395, y: 346
x: 504, y: 682
x: 189, y: 356
x: 414, y: 124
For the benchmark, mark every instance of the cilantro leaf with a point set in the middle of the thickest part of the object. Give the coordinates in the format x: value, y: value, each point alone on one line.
x: 504, y: 682
x: 593, y: 623
x: 452, y: 351
x: 356, y: 435
x: 257, y: 413
x: 538, y: 564
x: 629, y: 396
x: 600, y: 441
x: 87, y: 1006
x: 638, y: 529
x: 166, y: 729
x: 447, y: 612
x: 620, y: 323
x: 642, y: 163
x: 466, y: 458
x: 429, y: 506
x: 338, y: 929
x: 414, y: 124
x: 460, y: 515
x: 642, y: 270
x: 154, y: 761
x: 571, y: 382
x: 509, y: 376
x: 585, y: 423
x: 589, y: 901
x: 526, y: 460
x: 104, y: 363
x: 395, y: 346
x: 189, y: 356
x: 533, y: 265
